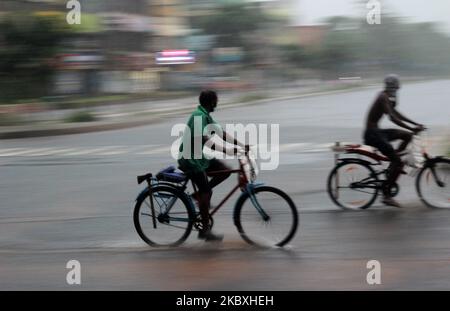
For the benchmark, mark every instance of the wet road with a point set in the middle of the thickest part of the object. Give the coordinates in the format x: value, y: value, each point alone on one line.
x: 71, y: 197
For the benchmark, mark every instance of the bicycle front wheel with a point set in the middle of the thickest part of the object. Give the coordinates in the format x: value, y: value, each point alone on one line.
x: 271, y: 219
x: 170, y: 220
x: 433, y: 184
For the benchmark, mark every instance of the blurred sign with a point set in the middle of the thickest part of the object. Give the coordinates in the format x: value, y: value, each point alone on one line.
x: 175, y: 57
x: 80, y: 61
x: 127, y: 22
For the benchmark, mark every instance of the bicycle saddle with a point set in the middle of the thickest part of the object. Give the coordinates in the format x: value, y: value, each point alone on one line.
x: 170, y: 174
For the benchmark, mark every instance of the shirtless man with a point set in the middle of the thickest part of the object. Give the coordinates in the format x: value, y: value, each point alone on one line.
x: 385, y: 104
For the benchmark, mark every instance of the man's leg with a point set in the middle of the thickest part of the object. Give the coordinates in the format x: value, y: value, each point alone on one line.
x: 214, y: 166
x: 394, y: 171
x: 204, y: 200
x: 396, y: 134
x: 203, y: 195
x: 378, y: 139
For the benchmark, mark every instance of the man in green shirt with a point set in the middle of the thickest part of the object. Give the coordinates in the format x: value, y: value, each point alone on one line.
x: 200, y: 129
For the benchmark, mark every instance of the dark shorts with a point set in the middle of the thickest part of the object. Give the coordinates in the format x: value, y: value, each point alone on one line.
x: 200, y: 179
x: 380, y: 139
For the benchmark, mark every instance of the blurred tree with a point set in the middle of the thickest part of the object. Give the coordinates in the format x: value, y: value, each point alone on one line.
x: 337, y: 52
x: 229, y: 23
x: 239, y: 25
x: 354, y: 47
x: 350, y: 47
x: 28, y: 44
x: 294, y: 54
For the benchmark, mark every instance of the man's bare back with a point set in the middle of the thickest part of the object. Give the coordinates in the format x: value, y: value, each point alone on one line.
x: 378, y: 109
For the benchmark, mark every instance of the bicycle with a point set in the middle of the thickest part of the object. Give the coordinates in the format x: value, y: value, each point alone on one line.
x: 355, y: 183
x: 165, y: 213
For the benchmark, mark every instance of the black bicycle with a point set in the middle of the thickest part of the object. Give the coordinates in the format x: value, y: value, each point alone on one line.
x: 355, y: 182
x: 165, y: 213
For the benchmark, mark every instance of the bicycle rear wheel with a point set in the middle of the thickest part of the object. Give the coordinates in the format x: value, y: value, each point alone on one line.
x: 172, y: 219
x: 433, y: 184
x: 274, y: 224
x: 353, y: 185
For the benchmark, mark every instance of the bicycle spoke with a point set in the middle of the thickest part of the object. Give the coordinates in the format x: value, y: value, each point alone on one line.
x: 433, y: 185
x: 278, y: 229
x: 172, y: 216
x: 352, y: 185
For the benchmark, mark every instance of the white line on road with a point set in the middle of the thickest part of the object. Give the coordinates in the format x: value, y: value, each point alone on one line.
x: 35, y: 152
x: 12, y: 152
x: 94, y: 151
x: 286, y: 149
x: 155, y: 151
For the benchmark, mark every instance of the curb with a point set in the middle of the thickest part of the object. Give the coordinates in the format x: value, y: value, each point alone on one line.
x: 69, y: 129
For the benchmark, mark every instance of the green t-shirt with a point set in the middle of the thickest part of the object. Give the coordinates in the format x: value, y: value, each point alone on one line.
x: 193, y: 160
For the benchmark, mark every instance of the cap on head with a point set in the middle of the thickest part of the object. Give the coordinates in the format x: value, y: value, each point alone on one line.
x: 392, y: 82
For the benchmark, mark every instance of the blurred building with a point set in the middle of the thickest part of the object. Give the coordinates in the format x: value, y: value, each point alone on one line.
x: 311, y: 36
x: 114, y: 48
x: 138, y: 46
x: 31, y: 5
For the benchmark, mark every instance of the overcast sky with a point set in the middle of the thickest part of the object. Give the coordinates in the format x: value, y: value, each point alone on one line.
x: 313, y: 11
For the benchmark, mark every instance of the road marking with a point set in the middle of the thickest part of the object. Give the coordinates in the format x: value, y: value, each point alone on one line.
x: 35, y: 152
x: 296, y: 146
x: 92, y: 151
x: 12, y: 152
x: 286, y: 149
x: 164, y: 149
x: 54, y: 152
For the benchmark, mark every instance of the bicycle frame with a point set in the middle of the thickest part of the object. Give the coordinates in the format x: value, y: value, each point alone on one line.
x: 367, y: 182
x: 243, y: 183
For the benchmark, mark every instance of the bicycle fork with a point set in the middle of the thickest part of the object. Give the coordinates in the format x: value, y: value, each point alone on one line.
x: 436, y: 178
x: 251, y: 193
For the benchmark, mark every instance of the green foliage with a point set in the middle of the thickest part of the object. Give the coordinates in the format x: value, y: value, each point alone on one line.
x: 28, y: 44
x: 240, y: 25
x: 81, y: 116
x: 229, y: 24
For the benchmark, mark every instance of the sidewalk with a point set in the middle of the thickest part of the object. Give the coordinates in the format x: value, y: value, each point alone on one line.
x: 126, y: 115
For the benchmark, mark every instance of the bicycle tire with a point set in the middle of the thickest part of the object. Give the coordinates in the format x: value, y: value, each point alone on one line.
x: 189, y: 218
x: 243, y: 228
x: 422, y: 174
x: 330, y: 189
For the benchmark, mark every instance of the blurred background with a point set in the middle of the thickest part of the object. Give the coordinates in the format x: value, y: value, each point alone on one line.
x: 123, y: 51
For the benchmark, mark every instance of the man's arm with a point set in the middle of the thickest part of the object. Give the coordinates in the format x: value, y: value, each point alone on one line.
x: 209, y: 142
x: 230, y: 139
x: 216, y: 129
x: 393, y: 116
x: 405, y: 119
